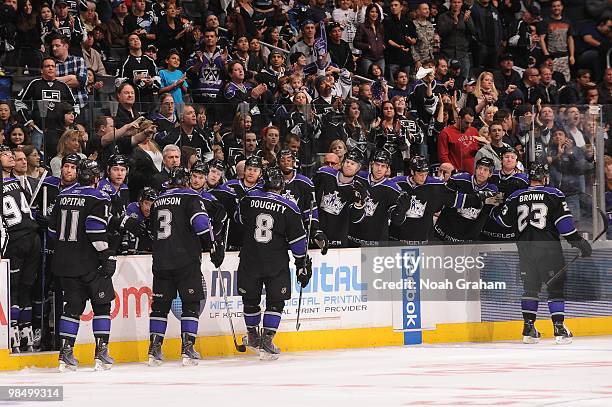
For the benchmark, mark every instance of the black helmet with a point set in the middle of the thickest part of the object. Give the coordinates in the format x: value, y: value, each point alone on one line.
x: 71, y: 158
x: 508, y: 149
x: 215, y: 163
x: 486, y: 162
x: 117, y: 160
x: 147, y: 194
x: 274, y: 180
x: 178, y: 176
x: 419, y: 164
x: 354, y: 155
x: 254, y: 161
x: 87, y: 171
x: 382, y: 156
x: 199, y: 167
x: 538, y: 171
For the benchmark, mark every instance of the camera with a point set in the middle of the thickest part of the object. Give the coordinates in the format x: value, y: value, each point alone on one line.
x: 465, y: 7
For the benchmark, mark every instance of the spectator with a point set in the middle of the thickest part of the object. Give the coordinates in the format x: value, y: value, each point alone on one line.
x: 70, y: 69
x: 126, y: 113
x: 93, y: 59
x: 605, y: 87
x: 486, y: 92
x: 89, y: 17
x: 496, y: 147
x: 331, y: 160
x: 271, y: 145
x: 171, y: 158
x: 400, y: 35
x: 146, y: 161
x: 520, y: 36
x: 506, y: 75
x: 141, y: 72
x: 352, y: 130
x: 339, y: 149
x: 388, y: 134
x: 366, y: 105
x: 68, y: 144
x: 347, y: 18
x: 370, y: 40
x: 339, y: 50
x: 65, y: 120
x: 171, y: 31
x: 593, y: 42
x: 257, y: 56
x: 529, y: 86
x: 20, y: 171
x: 425, y: 94
x: 46, y: 21
x: 573, y: 92
x: 489, y: 33
x: 572, y: 122
x: 172, y: 79
x: 116, y: 25
x: 422, y: 49
x: 400, y: 85
x: 68, y: 26
x: 456, y: 29
x: 458, y: 143
x: 93, y: 85
x: 35, y: 170
x: 141, y: 22
x: 548, y: 87
x: 6, y: 117
x: 17, y: 137
x: 275, y: 70
x: 28, y: 42
x: 187, y: 134
x: 189, y: 156
x: 274, y: 39
x: 165, y: 119
x: 306, y: 44
x: 556, y: 39
x: 304, y: 123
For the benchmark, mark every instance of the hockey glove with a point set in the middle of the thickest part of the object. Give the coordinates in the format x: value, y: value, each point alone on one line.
x: 321, y: 240
x: 217, y: 253
x: 108, y: 263
x: 42, y: 221
x: 133, y: 225
x: 495, y: 200
x: 360, y: 192
x: 303, y: 270
x: 403, y: 201
x: 582, y: 245
x: 240, y: 193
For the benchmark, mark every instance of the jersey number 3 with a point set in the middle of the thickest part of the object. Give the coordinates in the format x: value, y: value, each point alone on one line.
x: 535, y: 215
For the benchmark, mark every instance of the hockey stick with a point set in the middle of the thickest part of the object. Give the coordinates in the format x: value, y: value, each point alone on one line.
x: 239, y: 348
x: 297, y: 322
x: 38, y: 186
x: 563, y: 269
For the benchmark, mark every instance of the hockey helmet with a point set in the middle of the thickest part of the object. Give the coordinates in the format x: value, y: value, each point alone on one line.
x: 87, y: 172
x: 419, y: 164
x: 147, y: 194
x: 71, y: 158
x: 486, y: 162
x: 285, y: 152
x: 178, y: 176
x: 274, y: 180
x: 215, y: 163
x: 117, y: 160
x: 199, y: 167
x: 508, y: 149
x: 538, y: 171
x: 354, y: 155
x: 382, y: 156
x: 254, y: 161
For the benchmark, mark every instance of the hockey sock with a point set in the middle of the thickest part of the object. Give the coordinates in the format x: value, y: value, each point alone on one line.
x: 529, y: 307
x: 159, y: 317
x: 15, y: 311
x: 557, y: 310
x: 69, y: 328
x: 25, y: 316
x: 252, y: 315
x: 272, y: 316
x: 101, y: 322
x: 190, y: 319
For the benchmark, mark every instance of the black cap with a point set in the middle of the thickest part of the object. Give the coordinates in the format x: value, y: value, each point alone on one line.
x: 508, y: 149
x: 533, y: 10
x: 117, y: 160
x: 178, y: 176
x: 506, y: 57
x: 285, y: 152
x: 216, y: 163
x: 334, y: 24
x: 454, y: 64
x: 306, y: 22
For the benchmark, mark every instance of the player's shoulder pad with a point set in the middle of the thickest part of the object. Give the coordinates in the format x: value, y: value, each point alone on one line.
x: 550, y: 190
x: 433, y: 181
x: 517, y: 193
x: 304, y: 179
x: 462, y: 176
x: 400, y: 179
x: 105, y: 185
x: 522, y: 176
x: 52, y: 181
x: 207, y: 196
x: 181, y: 191
x: 327, y: 171
x: 134, y: 209
x: 227, y: 187
x: 491, y: 187
x: 363, y: 174
x: 257, y: 193
x: 391, y: 184
x: 87, y: 191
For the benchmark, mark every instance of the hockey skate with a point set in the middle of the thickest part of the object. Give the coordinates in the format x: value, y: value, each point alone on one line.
x: 530, y: 333
x: 188, y: 353
x: 252, y: 340
x: 103, y: 361
x: 267, y: 349
x: 67, y: 361
x: 563, y: 336
x: 27, y: 339
x: 155, y: 353
x: 15, y: 338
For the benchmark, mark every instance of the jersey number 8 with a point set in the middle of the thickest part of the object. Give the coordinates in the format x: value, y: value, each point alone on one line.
x: 263, y: 228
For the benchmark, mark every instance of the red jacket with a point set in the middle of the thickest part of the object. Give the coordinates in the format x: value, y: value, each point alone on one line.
x: 458, y: 148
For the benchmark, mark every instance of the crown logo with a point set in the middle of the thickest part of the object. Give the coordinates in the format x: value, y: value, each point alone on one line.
x: 370, y: 206
x: 287, y: 194
x: 332, y: 204
x: 469, y: 213
x: 417, y: 208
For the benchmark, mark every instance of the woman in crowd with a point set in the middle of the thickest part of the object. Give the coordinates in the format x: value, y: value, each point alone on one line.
x: 258, y: 55
x: 35, y: 170
x: 339, y: 148
x: 7, y: 121
x: 271, y: 144
x: 18, y: 136
x: 273, y: 38
x: 304, y: 123
x: 370, y: 39
x: 352, y: 131
x: 28, y: 36
x: 485, y: 92
x: 68, y: 143
x: 170, y: 31
x: 46, y: 19
x: 388, y: 134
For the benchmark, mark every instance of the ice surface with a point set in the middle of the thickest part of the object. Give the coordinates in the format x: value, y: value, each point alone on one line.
x: 484, y: 374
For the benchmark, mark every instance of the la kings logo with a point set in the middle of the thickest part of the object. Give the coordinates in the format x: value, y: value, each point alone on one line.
x: 332, y: 204
x: 417, y: 208
x: 370, y: 206
x: 469, y: 213
x: 287, y: 194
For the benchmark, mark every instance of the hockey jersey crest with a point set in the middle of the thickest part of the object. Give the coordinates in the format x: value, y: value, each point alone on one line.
x: 332, y: 203
x: 417, y: 208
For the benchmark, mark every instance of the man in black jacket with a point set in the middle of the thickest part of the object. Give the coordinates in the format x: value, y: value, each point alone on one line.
x: 339, y: 50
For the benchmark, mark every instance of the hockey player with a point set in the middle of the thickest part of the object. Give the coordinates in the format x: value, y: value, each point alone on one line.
x: 300, y: 190
x: 426, y: 195
x: 141, y: 210
x: 84, y: 263
x: 341, y: 198
x: 540, y: 215
x: 23, y: 251
x: 215, y: 174
x: 114, y: 185
x: 214, y: 208
x: 233, y: 190
x: 464, y: 225
x: 272, y: 225
x: 380, y: 204
x: 180, y: 228
x: 51, y: 186
x: 508, y: 179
